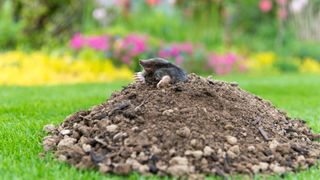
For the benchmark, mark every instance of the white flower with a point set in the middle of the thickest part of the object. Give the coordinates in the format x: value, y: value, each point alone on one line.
x: 297, y: 6
x: 171, y: 2
x: 99, y: 13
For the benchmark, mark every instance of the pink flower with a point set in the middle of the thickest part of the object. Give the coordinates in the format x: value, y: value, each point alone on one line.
x: 222, y: 64
x: 164, y: 53
x: 186, y: 47
x: 282, y: 13
x: 265, y: 5
x: 77, y: 41
x: 126, y: 60
x: 98, y: 42
x: 179, y: 60
x: 130, y: 47
x: 136, y: 44
x: 152, y: 2
x: 230, y: 59
x: 175, y: 50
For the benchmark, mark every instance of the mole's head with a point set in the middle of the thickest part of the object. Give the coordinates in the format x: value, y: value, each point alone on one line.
x: 150, y: 65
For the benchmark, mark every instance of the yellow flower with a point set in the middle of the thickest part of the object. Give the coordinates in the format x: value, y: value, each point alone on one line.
x: 261, y: 61
x: 19, y: 68
x: 310, y: 65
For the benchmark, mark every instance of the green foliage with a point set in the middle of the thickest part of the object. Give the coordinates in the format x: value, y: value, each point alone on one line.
x: 9, y: 29
x: 41, y: 22
x: 90, y: 54
x: 248, y: 18
x: 213, y: 24
x: 173, y: 26
x: 155, y: 23
x: 304, y: 50
x: 53, y: 20
x: 285, y: 65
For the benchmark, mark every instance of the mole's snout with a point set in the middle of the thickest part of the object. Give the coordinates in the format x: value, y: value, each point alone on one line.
x: 142, y: 62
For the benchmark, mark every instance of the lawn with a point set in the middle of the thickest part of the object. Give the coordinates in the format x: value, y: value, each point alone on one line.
x: 25, y: 110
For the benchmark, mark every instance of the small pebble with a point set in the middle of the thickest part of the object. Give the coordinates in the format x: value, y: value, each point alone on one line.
x: 235, y: 149
x: 134, y: 163
x: 142, y: 157
x: 208, y: 151
x: 66, y: 142
x: 234, y: 84
x: 143, y: 169
x: 172, y: 152
x: 255, y: 169
x: 232, y: 140
x: 119, y: 136
x: 184, y: 132
x: 263, y: 166
x: 301, y: 159
x: 49, y: 142
x: 231, y: 154
x: 65, y: 132
x: 135, y: 129
x: 62, y: 158
x: 197, y: 154
x: 277, y: 169
x: 155, y: 149
x: 228, y: 126
x: 84, y: 130
x: 179, y: 166
x: 273, y: 144
x: 49, y: 128
x: 167, y: 112
x: 251, y: 148
x: 112, y: 128
x: 178, y: 170
x: 122, y: 169
x: 193, y: 142
x: 178, y: 160
x: 86, y: 147
x: 104, y: 168
x: 221, y: 153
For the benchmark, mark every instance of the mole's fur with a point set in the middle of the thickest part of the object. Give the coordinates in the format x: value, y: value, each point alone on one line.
x: 155, y: 69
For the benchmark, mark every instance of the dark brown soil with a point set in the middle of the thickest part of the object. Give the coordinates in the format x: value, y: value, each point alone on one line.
x: 201, y: 126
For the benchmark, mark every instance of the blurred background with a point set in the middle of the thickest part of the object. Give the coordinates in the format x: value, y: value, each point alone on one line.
x: 72, y: 41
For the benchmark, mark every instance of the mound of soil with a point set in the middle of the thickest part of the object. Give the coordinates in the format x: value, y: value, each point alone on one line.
x: 202, y: 126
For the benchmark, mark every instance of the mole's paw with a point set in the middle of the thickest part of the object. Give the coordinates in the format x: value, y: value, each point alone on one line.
x: 138, y: 77
x: 164, y: 82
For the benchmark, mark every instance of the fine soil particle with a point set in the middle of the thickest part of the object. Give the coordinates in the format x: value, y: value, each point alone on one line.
x: 201, y: 126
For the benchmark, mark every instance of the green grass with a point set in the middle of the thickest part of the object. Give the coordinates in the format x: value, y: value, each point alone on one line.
x: 25, y: 110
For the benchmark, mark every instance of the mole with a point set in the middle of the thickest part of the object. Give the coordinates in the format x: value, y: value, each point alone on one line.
x: 160, y: 71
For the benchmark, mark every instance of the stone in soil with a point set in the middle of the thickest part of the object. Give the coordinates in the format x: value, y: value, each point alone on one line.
x: 201, y: 126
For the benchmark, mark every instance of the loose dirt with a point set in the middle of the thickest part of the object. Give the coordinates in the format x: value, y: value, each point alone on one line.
x: 202, y: 126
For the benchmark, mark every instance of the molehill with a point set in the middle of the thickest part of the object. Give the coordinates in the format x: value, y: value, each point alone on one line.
x: 201, y: 126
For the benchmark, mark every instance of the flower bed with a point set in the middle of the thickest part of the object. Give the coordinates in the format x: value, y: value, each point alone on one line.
x: 129, y: 49
x: 19, y: 68
x: 194, y: 58
x: 110, y: 58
